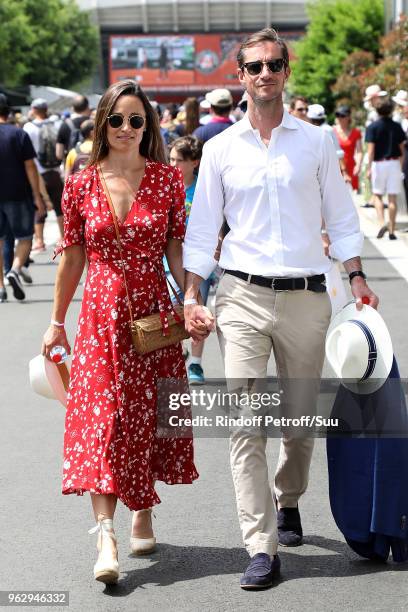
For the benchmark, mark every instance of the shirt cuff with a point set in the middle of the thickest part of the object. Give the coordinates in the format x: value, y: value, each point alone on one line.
x: 348, y: 247
x: 198, y: 263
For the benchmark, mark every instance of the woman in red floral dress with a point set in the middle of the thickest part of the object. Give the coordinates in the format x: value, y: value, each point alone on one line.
x: 111, y: 447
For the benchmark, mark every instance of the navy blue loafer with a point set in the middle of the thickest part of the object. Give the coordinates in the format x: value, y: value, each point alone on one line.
x: 261, y: 572
x: 290, y: 531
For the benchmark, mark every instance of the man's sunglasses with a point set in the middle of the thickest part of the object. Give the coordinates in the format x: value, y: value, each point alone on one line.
x: 116, y: 121
x: 254, y: 68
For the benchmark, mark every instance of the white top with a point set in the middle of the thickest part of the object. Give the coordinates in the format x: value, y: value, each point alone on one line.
x: 273, y: 199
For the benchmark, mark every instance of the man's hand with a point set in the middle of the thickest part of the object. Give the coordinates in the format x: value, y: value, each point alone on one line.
x: 363, y: 294
x: 199, y: 321
x: 40, y: 205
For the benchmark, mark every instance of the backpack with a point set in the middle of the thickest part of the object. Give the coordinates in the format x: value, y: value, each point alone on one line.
x: 81, y: 159
x: 47, y: 142
x: 75, y: 135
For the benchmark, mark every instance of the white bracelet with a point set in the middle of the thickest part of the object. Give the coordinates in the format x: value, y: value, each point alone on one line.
x: 56, y: 323
x: 190, y: 302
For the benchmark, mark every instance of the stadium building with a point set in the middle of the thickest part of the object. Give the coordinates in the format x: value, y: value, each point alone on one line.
x: 180, y: 48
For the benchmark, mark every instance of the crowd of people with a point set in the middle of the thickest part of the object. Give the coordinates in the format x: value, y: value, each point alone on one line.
x: 150, y: 171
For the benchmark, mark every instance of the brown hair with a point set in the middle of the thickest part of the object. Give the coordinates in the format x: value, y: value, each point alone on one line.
x: 189, y: 147
x: 296, y: 99
x: 265, y: 35
x: 192, y: 108
x: 151, y: 146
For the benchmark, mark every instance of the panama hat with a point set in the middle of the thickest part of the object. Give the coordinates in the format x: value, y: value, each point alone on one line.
x: 49, y: 379
x: 401, y: 98
x: 372, y: 91
x: 359, y: 348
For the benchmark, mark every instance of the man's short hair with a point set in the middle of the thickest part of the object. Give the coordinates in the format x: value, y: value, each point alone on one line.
x: 4, y: 107
x: 297, y: 99
x: 384, y: 107
x: 86, y: 128
x: 265, y: 35
x: 80, y: 104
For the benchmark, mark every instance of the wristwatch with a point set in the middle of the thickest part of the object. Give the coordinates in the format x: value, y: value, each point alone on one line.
x: 356, y: 273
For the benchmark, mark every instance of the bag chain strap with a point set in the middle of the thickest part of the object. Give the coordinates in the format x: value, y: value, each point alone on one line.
x: 115, y: 222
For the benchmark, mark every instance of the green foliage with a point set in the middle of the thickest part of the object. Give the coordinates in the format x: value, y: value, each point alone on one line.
x: 45, y: 42
x: 390, y: 71
x: 336, y: 29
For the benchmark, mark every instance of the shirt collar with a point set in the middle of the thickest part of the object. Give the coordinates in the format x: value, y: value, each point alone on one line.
x: 288, y: 122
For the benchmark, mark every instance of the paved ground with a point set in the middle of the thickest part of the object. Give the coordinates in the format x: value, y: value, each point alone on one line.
x: 43, y: 536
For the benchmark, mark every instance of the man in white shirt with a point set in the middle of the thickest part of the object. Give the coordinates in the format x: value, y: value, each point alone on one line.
x: 274, y: 178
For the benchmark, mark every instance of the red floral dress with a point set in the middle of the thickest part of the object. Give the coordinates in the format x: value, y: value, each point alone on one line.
x: 110, y: 442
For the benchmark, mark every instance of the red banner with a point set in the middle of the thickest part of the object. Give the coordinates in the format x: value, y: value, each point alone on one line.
x: 182, y: 61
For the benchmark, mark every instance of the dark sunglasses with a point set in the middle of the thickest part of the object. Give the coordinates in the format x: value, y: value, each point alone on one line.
x: 116, y: 121
x: 302, y: 109
x: 254, y: 68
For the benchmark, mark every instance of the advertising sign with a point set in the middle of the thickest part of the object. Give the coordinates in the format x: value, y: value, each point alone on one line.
x: 182, y: 61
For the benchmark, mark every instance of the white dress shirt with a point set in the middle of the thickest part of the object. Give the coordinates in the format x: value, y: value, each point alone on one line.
x: 274, y: 199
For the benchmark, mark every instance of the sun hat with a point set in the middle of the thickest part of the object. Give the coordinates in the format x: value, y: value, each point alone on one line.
x: 372, y: 91
x: 316, y: 111
x: 359, y: 348
x: 219, y: 97
x: 49, y: 379
x: 401, y: 98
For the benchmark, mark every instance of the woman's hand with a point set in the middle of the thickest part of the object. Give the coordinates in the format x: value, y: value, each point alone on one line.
x: 54, y: 336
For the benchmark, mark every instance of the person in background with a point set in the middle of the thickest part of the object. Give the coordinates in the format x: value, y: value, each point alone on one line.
x: 185, y: 154
x: 192, y: 117
x: 169, y: 123
x: 69, y: 132
x: 221, y: 106
x: 19, y: 197
x: 401, y: 101
x: 385, y: 140
x: 205, y: 115
x: 298, y: 107
x: 349, y: 138
x: 78, y: 157
x: 43, y: 134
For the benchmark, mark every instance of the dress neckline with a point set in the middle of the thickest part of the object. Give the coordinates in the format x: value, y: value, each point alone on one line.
x: 136, y: 193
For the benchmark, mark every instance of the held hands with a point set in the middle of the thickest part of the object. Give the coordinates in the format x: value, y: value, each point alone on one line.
x: 363, y: 294
x: 199, y: 321
x: 54, y: 336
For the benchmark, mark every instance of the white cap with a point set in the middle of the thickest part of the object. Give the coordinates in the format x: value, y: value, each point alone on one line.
x: 316, y: 111
x: 219, y: 97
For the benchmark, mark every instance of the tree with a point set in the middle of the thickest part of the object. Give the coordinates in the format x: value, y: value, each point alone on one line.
x: 336, y: 28
x: 45, y: 42
x: 390, y: 71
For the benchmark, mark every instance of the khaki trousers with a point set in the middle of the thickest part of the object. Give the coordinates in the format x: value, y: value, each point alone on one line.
x: 251, y: 322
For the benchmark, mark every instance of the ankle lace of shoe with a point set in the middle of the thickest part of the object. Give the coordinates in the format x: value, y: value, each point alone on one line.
x: 106, y: 569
